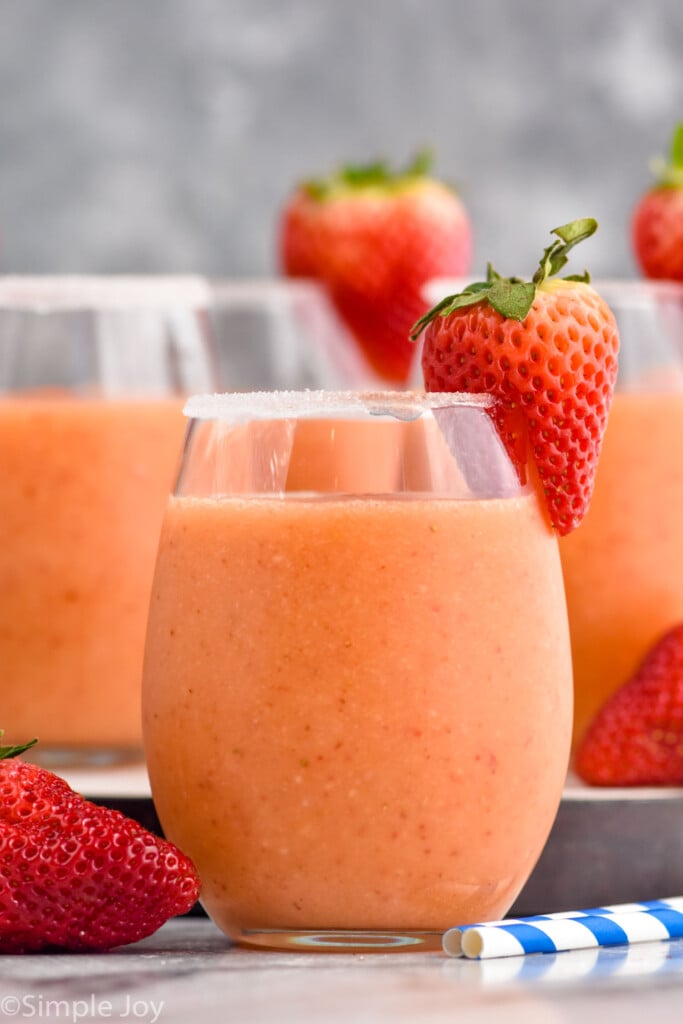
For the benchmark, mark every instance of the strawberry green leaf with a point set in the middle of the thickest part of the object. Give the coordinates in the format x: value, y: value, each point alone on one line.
x: 669, y: 172
x: 468, y: 297
x: 576, y: 231
x: 374, y: 175
x: 7, y: 752
x: 421, y: 165
x: 370, y: 174
x: 513, y: 297
x: 556, y: 255
x: 552, y: 261
x: 677, y: 147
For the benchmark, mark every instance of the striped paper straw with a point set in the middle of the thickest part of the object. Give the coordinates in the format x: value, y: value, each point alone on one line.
x: 453, y: 936
x: 617, y: 925
x: 549, y: 969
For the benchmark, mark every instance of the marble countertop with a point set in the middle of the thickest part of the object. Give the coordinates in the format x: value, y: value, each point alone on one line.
x: 188, y: 972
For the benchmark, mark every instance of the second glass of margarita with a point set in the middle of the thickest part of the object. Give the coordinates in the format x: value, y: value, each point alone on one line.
x: 357, y: 695
x: 93, y: 376
x: 624, y: 567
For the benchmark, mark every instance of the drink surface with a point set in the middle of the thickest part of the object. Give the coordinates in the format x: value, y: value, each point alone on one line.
x: 84, y: 485
x: 357, y: 711
x: 623, y: 565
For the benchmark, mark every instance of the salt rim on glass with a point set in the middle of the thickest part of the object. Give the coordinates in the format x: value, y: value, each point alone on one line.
x: 253, y: 405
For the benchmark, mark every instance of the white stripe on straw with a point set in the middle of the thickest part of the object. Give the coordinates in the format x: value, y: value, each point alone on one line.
x: 553, y: 968
x: 606, y: 926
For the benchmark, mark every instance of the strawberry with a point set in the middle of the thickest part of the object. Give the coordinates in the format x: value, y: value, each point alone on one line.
x: 657, y: 227
x: 374, y: 238
x: 76, y: 876
x: 636, y: 739
x: 547, y: 349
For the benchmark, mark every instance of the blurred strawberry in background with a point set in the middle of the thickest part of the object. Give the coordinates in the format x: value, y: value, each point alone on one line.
x: 657, y: 229
x: 374, y: 237
x: 636, y: 739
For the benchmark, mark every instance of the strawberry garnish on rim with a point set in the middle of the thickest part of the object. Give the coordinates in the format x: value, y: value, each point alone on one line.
x: 547, y: 350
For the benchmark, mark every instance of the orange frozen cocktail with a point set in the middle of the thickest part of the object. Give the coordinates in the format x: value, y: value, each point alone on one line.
x: 623, y: 567
x: 81, y: 500
x: 92, y: 377
x: 337, y: 729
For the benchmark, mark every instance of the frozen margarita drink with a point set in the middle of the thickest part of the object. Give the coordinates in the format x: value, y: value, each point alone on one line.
x: 84, y: 485
x: 357, y: 700
x: 623, y: 568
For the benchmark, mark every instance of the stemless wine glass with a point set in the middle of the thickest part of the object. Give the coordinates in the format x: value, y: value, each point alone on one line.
x: 93, y: 376
x: 357, y: 688
x: 282, y: 333
x: 624, y: 566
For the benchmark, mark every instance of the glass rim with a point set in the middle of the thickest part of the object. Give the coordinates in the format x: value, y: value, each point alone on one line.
x: 65, y: 293
x: 228, y: 289
x: 234, y: 406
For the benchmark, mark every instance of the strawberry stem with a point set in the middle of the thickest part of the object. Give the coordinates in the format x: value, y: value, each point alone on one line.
x: 513, y: 297
x: 7, y: 752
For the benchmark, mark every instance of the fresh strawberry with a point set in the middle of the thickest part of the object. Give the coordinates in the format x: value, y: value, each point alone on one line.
x: 636, y: 739
x: 657, y: 228
x: 76, y: 876
x: 374, y: 238
x: 546, y: 349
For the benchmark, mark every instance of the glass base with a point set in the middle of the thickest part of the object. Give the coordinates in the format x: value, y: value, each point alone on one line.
x: 61, y: 758
x: 328, y: 941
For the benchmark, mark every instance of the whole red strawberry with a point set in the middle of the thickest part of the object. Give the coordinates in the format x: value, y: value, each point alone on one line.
x: 636, y: 739
x: 374, y: 238
x: 76, y: 876
x: 547, y: 349
x: 657, y: 228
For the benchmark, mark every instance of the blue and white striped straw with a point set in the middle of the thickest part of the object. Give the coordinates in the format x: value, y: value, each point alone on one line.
x: 548, y: 969
x: 617, y: 925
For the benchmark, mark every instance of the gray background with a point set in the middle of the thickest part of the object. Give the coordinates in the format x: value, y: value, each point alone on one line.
x: 163, y: 135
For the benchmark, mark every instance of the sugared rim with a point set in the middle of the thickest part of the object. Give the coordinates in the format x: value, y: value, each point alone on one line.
x: 64, y: 293
x: 268, y: 405
x: 59, y: 293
